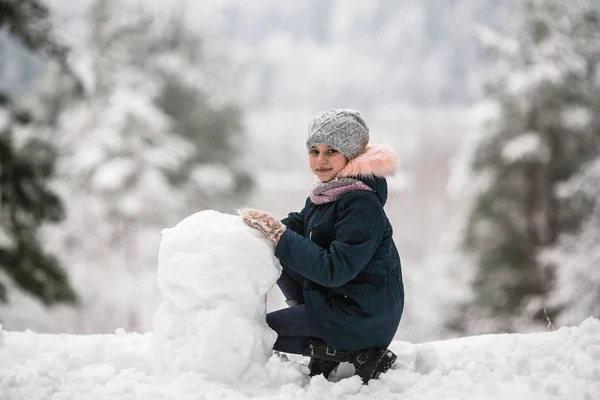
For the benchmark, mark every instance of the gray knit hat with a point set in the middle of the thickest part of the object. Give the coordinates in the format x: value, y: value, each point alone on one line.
x: 344, y: 130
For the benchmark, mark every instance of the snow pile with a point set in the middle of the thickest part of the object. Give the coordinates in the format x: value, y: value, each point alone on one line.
x: 214, y: 273
x: 563, y: 364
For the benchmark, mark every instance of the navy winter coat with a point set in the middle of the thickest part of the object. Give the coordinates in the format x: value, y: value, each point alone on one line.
x: 354, y: 291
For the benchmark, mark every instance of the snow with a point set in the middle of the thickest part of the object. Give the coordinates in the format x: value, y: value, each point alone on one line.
x: 484, y: 113
x: 112, y: 174
x: 490, y: 39
x: 212, y: 316
x: 213, y: 178
x: 563, y: 364
x: 526, y: 147
x: 576, y: 254
x: 577, y: 118
x: 210, y: 341
x: 523, y: 82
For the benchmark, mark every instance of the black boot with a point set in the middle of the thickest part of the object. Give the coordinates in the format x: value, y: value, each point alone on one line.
x: 324, y: 359
x: 371, y: 363
x: 318, y: 367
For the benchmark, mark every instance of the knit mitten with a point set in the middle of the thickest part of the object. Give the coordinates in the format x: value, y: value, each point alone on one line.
x: 268, y: 225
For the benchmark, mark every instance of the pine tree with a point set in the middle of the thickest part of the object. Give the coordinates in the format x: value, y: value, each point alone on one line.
x: 539, y: 137
x: 155, y: 135
x: 200, y: 95
x: 26, y: 166
x: 28, y: 20
x: 576, y: 291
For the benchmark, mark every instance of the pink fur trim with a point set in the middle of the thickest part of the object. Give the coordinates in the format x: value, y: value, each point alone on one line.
x: 377, y: 160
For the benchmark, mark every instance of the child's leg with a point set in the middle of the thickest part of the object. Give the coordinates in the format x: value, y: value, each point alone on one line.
x: 290, y: 282
x: 293, y: 328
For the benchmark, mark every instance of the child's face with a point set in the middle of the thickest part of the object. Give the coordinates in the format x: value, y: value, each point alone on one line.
x: 326, y: 162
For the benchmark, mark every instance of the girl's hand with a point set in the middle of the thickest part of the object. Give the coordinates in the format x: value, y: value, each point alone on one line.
x: 268, y: 225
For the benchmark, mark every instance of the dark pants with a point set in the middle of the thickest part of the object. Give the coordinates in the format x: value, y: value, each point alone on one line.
x: 292, y: 324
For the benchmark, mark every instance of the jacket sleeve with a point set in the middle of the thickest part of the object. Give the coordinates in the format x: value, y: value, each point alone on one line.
x: 358, y: 229
x: 295, y: 220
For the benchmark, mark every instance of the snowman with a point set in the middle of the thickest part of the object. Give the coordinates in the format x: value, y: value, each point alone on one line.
x: 214, y: 273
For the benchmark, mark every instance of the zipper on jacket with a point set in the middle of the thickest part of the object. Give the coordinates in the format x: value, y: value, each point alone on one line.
x: 310, y: 234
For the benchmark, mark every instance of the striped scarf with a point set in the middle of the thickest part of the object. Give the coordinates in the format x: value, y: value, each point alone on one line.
x: 328, y: 192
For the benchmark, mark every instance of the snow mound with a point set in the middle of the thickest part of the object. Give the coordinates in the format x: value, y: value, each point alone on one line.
x: 214, y: 273
x: 558, y: 365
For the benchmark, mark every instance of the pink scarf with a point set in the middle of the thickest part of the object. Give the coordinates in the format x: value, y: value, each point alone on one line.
x: 328, y: 192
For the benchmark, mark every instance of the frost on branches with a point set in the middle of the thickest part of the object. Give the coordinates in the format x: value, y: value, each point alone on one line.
x: 153, y: 132
x: 544, y: 131
x: 576, y: 293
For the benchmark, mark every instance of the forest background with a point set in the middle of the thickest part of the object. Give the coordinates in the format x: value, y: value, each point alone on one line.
x: 118, y: 118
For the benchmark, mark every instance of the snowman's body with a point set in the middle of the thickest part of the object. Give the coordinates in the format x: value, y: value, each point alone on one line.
x: 214, y: 273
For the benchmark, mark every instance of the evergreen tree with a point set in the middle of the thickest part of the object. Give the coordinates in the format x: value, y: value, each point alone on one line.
x: 28, y: 20
x: 545, y: 102
x: 576, y: 292
x: 155, y: 135
x: 200, y: 95
x: 26, y: 167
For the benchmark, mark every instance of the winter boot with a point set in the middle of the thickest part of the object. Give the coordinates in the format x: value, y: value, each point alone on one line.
x: 371, y: 363
x: 324, y: 367
x: 324, y: 359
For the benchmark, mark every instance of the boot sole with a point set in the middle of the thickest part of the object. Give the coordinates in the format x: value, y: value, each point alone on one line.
x: 383, y: 365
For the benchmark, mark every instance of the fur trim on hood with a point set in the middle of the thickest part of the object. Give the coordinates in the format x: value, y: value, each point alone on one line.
x: 377, y: 160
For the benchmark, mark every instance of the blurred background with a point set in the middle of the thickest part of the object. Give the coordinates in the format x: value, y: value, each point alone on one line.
x: 119, y: 118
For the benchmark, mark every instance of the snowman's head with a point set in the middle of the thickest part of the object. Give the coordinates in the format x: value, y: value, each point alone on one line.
x: 211, y: 259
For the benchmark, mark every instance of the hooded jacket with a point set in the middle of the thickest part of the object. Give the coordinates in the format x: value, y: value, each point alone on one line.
x: 354, y: 291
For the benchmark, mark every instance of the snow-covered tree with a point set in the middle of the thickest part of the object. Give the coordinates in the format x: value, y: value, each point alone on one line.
x: 154, y: 135
x: 543, y: 129
x: 28, y: 20
x: 576, y: 292
x: 200, y: 94
x: 27, y: 165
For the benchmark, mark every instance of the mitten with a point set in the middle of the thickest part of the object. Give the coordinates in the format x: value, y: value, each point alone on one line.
x: 268, y: 225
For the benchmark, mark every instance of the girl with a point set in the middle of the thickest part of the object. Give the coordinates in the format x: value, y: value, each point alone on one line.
x: 341, y: 271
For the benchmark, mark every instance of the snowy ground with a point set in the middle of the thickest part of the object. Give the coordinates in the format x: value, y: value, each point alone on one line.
x: 563, y: 364
x: 210, y: 341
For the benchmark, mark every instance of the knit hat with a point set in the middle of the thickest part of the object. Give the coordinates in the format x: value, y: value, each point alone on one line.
x: 344, y: 130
